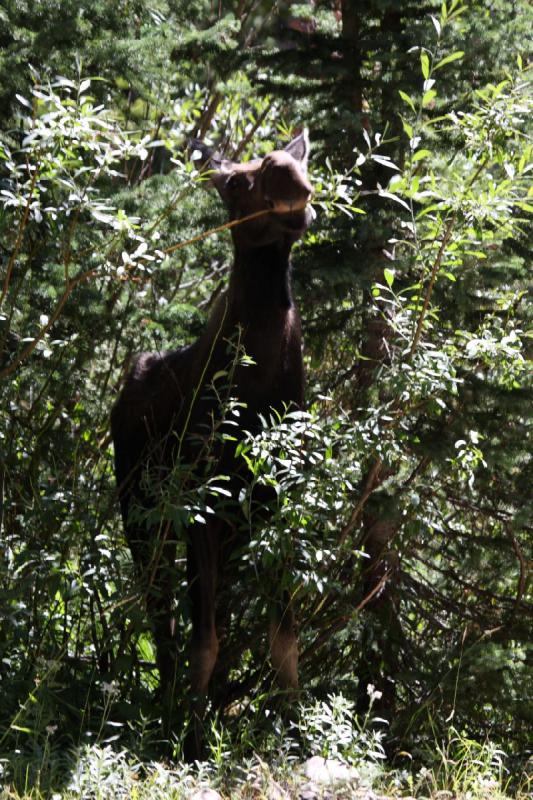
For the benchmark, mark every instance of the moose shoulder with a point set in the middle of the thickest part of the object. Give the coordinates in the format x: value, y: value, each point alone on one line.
x: 166, y: 400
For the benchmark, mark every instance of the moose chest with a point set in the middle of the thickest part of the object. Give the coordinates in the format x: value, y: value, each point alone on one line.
x: 274, y: 375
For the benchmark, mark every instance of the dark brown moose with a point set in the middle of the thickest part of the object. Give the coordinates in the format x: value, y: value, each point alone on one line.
x: 166, y: 407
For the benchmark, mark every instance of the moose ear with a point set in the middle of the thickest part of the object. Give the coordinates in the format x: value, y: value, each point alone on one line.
x: 299, y: 148
x: 208, y: 160
x: 203, y: 155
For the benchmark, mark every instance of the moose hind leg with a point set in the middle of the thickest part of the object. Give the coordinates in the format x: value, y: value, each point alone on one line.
x: 159, y: 572
x: 284, y: 645
x: 162, y: 615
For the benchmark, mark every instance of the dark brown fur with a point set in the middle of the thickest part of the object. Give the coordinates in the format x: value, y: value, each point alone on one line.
x: 166, y: 400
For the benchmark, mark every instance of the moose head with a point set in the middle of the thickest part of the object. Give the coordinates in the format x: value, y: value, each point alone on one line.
x: 274, y: 191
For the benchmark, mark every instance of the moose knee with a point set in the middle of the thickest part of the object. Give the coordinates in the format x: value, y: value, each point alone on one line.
x: 203, y: 656
x: 284, y: 655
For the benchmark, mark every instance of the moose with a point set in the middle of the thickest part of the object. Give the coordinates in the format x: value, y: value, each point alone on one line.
x: 166, y: 406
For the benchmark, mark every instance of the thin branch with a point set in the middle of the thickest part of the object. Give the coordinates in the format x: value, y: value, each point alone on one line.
x: 209, y: 113
x: 377, y: 588
x: 368, y: 488
x: 23, y: 355
x: 219, y: 228
x: 243, y: 144
x: 421, y: 467
x: 438, y: 260
x: 523, y: 568
x: 434, y: 272
x: 72, y: 284
x: 20, y: 234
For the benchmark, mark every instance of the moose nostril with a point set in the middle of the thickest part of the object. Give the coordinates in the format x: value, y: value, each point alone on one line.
x: 270, y: 203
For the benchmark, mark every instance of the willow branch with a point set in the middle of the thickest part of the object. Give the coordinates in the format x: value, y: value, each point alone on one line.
x: 69, y: 288
x: 438, y: 261
x: 368, y: 488
x: 523, y: 568
x: 20, y: 234
x: 433, y: 277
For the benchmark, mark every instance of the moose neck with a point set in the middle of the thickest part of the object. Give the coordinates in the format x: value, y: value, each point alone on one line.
x: 260, y: 281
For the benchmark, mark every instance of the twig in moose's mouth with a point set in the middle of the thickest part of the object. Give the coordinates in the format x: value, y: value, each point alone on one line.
x: 219, y: 228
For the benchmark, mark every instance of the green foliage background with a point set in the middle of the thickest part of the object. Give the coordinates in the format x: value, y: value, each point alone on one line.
x: 403, y: 526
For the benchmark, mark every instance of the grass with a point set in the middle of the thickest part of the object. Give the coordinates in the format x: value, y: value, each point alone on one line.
x: 44, y: 767
x: 103, y: 773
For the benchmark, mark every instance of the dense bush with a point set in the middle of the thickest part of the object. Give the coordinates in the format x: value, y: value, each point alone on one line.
x: 403, y: 493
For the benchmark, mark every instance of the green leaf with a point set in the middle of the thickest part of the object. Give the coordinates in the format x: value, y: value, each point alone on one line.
x: 394, y: 197
x: 436, y: 23
x: 420, y: 154
x: 429, y: 209
x: 424, y: 60
x: 388, y: 274
x: 477, y: 253
x: 448, y: 59
x: 456, y: 11
x: 428, y: 97
x: 408, y: 128
x: 407, y: 99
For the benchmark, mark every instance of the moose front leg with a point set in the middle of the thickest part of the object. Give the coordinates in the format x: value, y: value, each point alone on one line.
x: 284, y: 644
x: 202, y: 566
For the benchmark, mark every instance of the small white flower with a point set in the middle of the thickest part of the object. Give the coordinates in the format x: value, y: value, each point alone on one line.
x: 373, y: 693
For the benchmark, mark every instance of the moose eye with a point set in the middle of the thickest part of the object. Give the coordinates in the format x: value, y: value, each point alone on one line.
x: 239, y: 181
x: 232, y: 183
